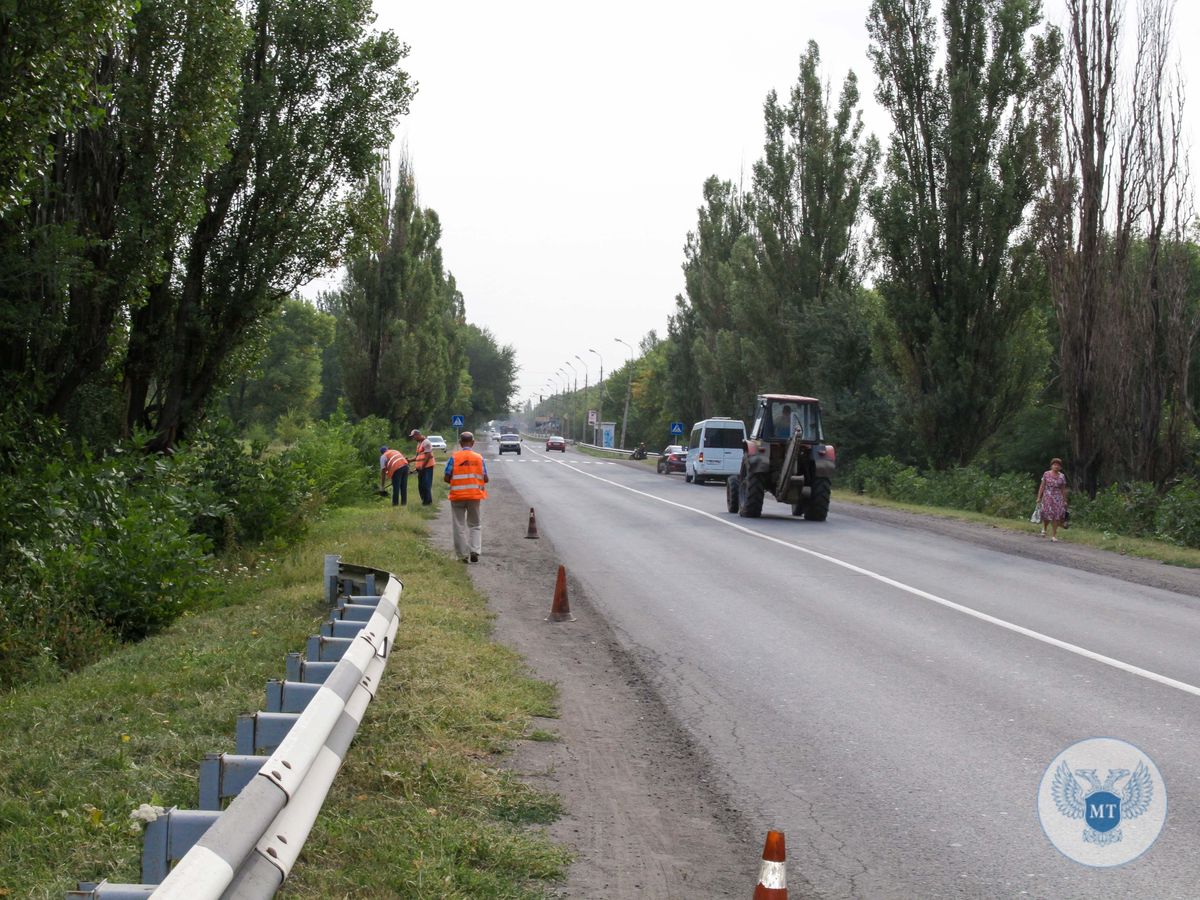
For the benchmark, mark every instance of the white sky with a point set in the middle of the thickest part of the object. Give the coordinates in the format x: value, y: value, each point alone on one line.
x: 564, y: 147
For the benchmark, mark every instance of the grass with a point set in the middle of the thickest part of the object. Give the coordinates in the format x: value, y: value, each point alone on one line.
x: 419, y: 809
x: 1170, y: 554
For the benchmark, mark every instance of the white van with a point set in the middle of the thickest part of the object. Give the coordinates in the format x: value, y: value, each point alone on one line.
x: 715, y: 450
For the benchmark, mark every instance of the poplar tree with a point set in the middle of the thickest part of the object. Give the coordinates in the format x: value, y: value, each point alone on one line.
x: 399, y: 314
x: 966, y: 160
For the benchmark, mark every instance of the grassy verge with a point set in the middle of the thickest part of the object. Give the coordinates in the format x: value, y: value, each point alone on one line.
x: 1104, y: 540
x: 418, y: 810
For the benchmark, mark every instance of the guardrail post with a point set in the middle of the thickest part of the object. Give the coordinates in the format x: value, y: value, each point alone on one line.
x: 223, y: 775
x: 289, y: 696
x: 327, y: 649
x: 332, y: 561
x: 169, y: 837
x: 262, y: 731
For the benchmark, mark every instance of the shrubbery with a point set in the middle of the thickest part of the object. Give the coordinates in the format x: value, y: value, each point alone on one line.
x: 100, y: 549
x: 1134, y: 510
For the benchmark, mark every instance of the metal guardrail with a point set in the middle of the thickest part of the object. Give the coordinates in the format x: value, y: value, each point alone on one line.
x: 285, y: 761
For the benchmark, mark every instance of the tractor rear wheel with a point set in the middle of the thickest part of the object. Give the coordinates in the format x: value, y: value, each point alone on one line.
x: 752, y: 498
x: 732, y: 502
x: 817, y: 509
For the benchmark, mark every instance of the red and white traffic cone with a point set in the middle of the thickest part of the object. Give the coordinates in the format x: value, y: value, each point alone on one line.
x: 560, y: 609
x: 772, y: 874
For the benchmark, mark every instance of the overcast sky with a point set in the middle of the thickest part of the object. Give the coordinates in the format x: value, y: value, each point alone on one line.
x: 564, y: 146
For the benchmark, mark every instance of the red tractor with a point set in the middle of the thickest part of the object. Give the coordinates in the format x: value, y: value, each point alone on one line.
x: 785, y: 457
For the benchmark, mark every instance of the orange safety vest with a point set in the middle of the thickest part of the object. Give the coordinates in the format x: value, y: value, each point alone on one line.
x: 466, y: 476
x: 394, y: 460
x: 424, y: 458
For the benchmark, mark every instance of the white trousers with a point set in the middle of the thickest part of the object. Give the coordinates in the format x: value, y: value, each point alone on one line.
x: 468, y: 530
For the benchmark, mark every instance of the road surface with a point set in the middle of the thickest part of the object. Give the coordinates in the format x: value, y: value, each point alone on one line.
x: 889, y: 697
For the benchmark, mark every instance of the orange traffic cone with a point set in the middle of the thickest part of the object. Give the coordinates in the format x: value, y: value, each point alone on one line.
x: 532, y: 532
x: 560, y: 610
x: 772, y: 875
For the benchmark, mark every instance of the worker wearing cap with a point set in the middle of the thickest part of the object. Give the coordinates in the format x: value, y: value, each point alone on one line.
x: 466, y: 473
x: 423, y: 463
x: 394, y: 465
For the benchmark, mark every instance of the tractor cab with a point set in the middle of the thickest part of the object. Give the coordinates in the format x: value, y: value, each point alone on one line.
x: 778, y: 416
x: 787, y: 457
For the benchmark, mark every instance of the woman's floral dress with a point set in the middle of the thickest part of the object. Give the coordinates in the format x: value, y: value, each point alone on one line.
x: 1054, y: 501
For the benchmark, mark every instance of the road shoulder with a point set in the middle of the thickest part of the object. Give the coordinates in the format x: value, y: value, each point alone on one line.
x: 641, y: 815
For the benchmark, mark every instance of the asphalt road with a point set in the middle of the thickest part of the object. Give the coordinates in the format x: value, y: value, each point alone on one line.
x: 890, y: 698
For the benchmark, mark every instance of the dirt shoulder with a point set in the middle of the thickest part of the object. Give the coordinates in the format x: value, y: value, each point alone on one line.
x: 641, y: 814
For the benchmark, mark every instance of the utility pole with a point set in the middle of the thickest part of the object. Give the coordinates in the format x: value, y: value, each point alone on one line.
x: 628, y: 390
x: 574, y: 393
x: 599, y: 402
x: 586, y: 408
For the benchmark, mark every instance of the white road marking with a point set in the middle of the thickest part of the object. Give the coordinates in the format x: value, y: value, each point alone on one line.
x: 915, y: 591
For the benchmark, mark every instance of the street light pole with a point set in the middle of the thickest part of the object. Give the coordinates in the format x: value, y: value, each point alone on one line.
x: 575, y: 389
x: 600, y: 402
x: 628, y: 389
x: 586, y: 408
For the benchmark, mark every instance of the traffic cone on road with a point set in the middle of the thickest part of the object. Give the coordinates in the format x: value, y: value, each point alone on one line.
x: 560, y: 609
x: 532, y: 532
x: 772, y: 875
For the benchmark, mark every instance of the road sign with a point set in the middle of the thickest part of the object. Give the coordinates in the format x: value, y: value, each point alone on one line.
x: 457, y: 422
x: 592, y: 417
x: 676, y: 428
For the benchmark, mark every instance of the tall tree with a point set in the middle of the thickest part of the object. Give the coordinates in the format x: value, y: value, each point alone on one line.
x: 493, y: 373
x: 808, y: 198
x: 286, y: 378
x: 1116, y: 247
x: 95, y: 232
x: 965, y: 162
x: 399, y: 313
x: 48, y: 53
x: 770, y: 274
x: 319, y: 93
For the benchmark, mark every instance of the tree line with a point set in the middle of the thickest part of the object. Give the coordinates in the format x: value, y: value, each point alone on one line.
x: 1016, y: 277
x: 172, y: 172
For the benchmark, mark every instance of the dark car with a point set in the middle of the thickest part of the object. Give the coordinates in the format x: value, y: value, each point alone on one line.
x: 673, y: 459
x: 556, y: 442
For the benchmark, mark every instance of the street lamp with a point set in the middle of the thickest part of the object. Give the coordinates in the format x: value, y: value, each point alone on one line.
x: 585, y: 391
x: 628, y: 389
x: 600, y: 402
x: 574, y: 388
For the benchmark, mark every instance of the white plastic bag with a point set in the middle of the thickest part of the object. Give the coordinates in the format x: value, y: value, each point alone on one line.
x: 1036, y: 518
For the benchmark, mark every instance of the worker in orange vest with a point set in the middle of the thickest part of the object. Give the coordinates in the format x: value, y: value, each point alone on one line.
x: 466, y: 473
x: 394, y: 465
x: 423, y: 463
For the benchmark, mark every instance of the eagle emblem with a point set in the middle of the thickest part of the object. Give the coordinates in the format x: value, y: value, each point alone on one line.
x: 1098, y: 803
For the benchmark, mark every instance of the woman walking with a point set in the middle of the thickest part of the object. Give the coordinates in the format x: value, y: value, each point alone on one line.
x: 1052, y: 498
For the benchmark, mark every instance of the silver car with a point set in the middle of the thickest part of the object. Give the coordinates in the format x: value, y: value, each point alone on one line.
x: 510, y: 443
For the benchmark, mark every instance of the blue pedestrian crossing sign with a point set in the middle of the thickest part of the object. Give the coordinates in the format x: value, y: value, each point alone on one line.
x: 676, y: 428
x: 456, y: 421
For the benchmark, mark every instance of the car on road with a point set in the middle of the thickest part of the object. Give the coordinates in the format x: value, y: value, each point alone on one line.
x: 673, y: 459
x: 715, y: 450
x: 436, y: 442
x: 556, y: 442
x: 510, y: 443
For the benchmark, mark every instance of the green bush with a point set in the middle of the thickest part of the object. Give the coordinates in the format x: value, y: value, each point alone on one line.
x: 1177, y: 518
x: 92, y: 550
x: 885, y: 476
x: 1121, y: 509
